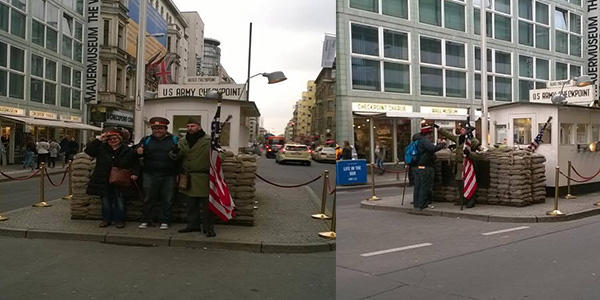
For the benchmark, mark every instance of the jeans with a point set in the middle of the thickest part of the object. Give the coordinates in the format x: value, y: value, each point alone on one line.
x: 28, y: 159
x: 379, y: 163
x: 158, y: 190
x: 42, y: 158
x: 113, y: 205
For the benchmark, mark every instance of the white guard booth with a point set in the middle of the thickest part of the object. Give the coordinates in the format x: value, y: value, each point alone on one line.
x: 568, y: 137
x: 177, y: 110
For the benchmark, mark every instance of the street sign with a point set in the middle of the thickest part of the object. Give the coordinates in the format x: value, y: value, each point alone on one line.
x: 351, y: 171
x: 573, y: 95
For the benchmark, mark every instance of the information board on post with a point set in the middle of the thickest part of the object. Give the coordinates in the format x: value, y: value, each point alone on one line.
x: 351, y: 172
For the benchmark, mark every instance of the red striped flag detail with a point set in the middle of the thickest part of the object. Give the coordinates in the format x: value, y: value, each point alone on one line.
x: 220, y: 201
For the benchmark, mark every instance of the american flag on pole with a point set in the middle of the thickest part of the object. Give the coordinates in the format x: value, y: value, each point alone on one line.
x: 219, y: 200
x: 538, y: 139
x: 468, y: 175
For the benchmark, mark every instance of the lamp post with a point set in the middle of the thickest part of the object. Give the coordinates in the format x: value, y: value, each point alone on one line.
x: 580, y: 81
x: 483, y: 59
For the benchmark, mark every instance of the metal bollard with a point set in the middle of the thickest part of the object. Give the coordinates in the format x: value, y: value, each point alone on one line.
x: 3, y: 218
x: 42, y: 202
x: 322, y: 215
x: 556, y: 212
x: 330, y: 234
x: 70, y: 170
x: 569, y: 196
x: 373, y: 197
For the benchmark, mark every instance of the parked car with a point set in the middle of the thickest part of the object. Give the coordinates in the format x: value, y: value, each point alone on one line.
x: 294, y: 152
x: 324, y: 154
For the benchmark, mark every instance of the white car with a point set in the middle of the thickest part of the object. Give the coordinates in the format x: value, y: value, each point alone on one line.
x: 324, y: 154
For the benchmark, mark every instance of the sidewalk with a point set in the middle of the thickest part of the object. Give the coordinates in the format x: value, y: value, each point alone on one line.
x: 283, y: 225
x: 581, y: 207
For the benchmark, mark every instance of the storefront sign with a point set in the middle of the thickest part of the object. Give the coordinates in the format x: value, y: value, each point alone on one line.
x: 443, y: 110
x: 380, y: 107
x: 70, y: 118
x: 351, y: 171
x: 92, y: 51
x: 42, y: 114
x: 592, y: 41
x: 229, y: 91
x: 119, y: 117
x: 573, y: 94
x: 7, y: 110
x: 557, y: 83
x: 201, y: 79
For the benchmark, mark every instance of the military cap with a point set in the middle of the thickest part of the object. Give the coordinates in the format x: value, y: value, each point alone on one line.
x: 193, y: 120
x: 159, y: 121
x: 426, y: 129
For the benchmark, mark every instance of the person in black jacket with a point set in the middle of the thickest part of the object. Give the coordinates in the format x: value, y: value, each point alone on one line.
x: 347, y: 151
x: 109, y: 152
x: 159, y: 172
x: 424, y: 171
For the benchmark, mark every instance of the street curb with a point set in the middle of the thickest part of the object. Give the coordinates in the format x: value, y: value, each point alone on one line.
x: 486, y: 218
x: 64, y: 235
x: 17, y: 174
x: 368, y: 186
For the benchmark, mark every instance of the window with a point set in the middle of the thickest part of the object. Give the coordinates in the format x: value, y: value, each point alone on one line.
x: 4, y: 10
x: 12, y: 71
x: 547, y: 137
x: 501, y: 134
x: 17, y: 23
x: 104, y: 82
x: 595, y: 133
x: 43, y: 83
x: 566, y: 133
x: 568, y: 32
x: 582, y: 133
x: 499, y: 81
x: 567, y: 71
x: 106, y: 34
x: 522, y: 131
x: 443, y: 68
x: 498, y: 19
x: 452, y: 13
x: 120, y: 36
x: 533, y: 74
x: 533, y: 24
x: 368, y: 61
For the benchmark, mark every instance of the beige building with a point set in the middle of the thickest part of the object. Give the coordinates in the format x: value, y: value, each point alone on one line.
x: 324, y: 109
x: 195, y: 49
x: 305, y: 107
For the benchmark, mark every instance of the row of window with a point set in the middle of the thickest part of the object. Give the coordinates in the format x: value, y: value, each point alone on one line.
x: 380, y: 62
x: 570, y: 133
x: 44, y: 84
x: 533, y: 26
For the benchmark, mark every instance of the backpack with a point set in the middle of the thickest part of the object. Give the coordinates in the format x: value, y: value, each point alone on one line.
x: 173, y: 138
x: 411, y: 153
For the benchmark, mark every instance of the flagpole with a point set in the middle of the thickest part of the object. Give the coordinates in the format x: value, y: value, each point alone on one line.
x: 138, y: 128
x: 483, y: 58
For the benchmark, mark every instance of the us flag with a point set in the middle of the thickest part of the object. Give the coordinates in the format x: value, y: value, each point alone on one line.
x: 219, y: 200
x: 468, y: 175
x: 538, y: 139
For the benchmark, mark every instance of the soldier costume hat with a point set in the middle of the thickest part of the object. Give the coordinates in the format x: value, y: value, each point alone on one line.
x: 193, y: 120
x: 159, y: 121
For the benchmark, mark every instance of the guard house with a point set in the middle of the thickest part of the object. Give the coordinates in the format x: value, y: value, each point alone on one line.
x: 234, y: 135
x: 568, y: 137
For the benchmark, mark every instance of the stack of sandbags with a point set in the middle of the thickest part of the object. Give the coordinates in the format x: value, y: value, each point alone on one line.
x: 83, y: 206
x: 510, y: 177
x: 538, y: 178
x: 244, y: 190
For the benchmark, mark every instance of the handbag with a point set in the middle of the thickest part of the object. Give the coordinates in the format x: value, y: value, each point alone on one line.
x: 183, y: 181
x: 120, y: 177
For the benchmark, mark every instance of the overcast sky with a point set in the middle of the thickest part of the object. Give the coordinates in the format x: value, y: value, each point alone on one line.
x: 287, y: 35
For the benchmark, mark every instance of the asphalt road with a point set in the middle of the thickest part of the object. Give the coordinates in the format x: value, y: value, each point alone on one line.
x: 392, y: 255
x: 51, y: 269
x: 295, y: 173
x: 17, y: 194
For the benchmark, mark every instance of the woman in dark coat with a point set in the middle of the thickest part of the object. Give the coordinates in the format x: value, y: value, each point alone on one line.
x: 110, y: 151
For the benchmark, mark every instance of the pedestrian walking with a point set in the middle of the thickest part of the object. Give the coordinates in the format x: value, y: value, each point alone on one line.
x: 424, y: 171
x: 54, y: 150
x: 113, y: 159
x: 380, y: 157
x: 193, y: 151
x: 3, y: 154
x: 347, y: 151
x: 28, y: 153
x: 43, y: 151
x: 158, y: 172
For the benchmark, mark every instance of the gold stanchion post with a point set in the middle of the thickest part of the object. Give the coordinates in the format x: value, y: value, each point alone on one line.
x: 373, y: 197
x: 556, y: 212
x: 569, y: 196
x: 330, y: 234
x: 322, y: 215
x: 3, y: 218
x: 42, y: 202
x: 70, y: 170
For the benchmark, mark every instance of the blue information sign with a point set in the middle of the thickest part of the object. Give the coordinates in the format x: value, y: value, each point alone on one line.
x: 351, y: 171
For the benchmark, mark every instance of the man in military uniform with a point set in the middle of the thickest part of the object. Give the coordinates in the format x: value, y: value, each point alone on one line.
x: 424, y: 171
x: 194, y: 151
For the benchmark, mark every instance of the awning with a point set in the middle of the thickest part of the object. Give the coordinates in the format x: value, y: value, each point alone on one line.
x: 52, y: 123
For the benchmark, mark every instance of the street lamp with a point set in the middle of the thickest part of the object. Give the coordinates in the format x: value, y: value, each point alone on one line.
x: 580, y: 81
x: 273, y: 77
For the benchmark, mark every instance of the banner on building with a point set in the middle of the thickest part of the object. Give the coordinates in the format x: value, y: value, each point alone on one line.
x: 229, y: 91
x: 92, y: 51
x: 592, y: 42
x: 328, y: 51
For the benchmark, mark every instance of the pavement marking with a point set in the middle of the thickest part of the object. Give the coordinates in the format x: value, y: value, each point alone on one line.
x: 505, y: 230
x: 395, y: 249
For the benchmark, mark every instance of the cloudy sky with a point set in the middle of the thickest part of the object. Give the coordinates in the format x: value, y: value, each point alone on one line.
x: 287, y: 35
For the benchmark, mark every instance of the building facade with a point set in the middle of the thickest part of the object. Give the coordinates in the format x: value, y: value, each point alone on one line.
x: 195, y: 43
x: 398, y: 61
x: 41, y: 71
x: 324, y: 109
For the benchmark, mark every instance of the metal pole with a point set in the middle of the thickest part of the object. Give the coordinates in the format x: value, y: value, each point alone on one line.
x: 330, y: 234
x: 3, y: 218
x: 483, y: 56
x: 138, y: 130
x: 373, y: 197
x: 406, y: 170
x: 322, y: 215
x: 70, y: 170
x: 556, y: 212
x: 42, y: 202
x: 249, y: 56
x: 569, y: 196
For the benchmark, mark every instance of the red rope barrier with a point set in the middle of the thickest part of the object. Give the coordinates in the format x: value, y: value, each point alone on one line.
x: 584, y: 177
x: 287, y: 186
x: 61, y: 181
x: 580, y: 181
x: 21, y: 178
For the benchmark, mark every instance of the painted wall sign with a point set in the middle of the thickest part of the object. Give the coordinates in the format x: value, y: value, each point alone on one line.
x: 92, y: 51
x: 7, y: 110
x: 42, y: 114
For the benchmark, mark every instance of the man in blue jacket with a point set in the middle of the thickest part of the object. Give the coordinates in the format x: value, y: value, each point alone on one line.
x: 158, y: 172
x: 424, y: 170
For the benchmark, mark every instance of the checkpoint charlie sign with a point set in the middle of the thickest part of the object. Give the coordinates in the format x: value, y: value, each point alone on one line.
x: 230, y: 91
x: 573, y: 95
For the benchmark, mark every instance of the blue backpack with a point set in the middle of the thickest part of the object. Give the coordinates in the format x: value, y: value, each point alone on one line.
x: 173, y: 137
x: 411, y: 153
